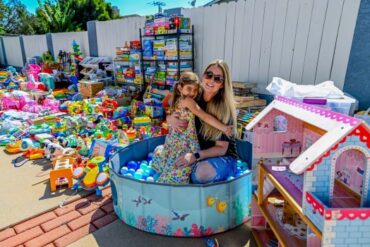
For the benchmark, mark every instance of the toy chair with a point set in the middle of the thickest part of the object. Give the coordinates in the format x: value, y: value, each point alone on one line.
x: 62, y: 169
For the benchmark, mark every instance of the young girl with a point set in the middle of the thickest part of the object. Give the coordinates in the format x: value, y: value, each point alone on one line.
x: 179, y: 143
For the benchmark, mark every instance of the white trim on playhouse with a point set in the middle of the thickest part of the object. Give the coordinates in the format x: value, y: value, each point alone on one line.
x: 336, y: 125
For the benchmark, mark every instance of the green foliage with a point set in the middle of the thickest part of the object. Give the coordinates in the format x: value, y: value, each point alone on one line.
x: 53, y: 16
x: 15, y: 19
x: 73, y: 15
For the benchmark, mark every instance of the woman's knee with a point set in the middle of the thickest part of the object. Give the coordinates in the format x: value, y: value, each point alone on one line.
x: 204, y: 173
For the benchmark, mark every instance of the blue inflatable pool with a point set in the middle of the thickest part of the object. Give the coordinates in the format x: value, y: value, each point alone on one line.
x: 178, y: 210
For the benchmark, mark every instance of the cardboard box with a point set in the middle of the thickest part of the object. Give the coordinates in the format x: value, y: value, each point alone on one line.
x: 89, y: 89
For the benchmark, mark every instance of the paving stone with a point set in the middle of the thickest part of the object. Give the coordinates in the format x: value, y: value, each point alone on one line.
x: 75, y: 235
x: 50, y: 225
x: 22, y: 237
x: 34, y: 222
x: 86, y: 219
x: 7, y: 233
x: 48, y: 237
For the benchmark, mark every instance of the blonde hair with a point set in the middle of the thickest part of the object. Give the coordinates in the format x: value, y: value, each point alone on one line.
x: 222, y: 105
x: 186, y: 78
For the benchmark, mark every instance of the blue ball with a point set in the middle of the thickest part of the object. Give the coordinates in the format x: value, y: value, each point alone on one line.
x: 143, y: 165
x: 132, y: 164
x: 128, y: 175
x: 230, y: 178
x: 131, y: 171
x: 140, y: 170
x: 138, y: 175
x: 150, y: 179
x: 150, y: 156
x: 124, y: 170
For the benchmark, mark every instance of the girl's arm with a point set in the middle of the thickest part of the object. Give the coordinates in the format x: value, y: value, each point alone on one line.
x: 209, y: 119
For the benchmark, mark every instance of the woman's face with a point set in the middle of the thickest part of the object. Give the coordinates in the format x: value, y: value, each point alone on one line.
x: 213, y: 79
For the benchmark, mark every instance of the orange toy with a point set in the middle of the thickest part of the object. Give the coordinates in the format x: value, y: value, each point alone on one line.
x: 34, y: 153
x: 62, y: 169
x: 14, y: 148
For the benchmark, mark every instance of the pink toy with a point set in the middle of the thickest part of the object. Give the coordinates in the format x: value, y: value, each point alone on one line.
x: 318, y: 161
x: 34, y: 70
x: 12, y: 102
x: 32, y: 107
x: 51, y: 104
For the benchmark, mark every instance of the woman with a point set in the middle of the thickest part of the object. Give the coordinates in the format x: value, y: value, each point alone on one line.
x: 216, y: 159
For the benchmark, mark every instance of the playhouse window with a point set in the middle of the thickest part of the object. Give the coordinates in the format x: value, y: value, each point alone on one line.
x: 280, y: 124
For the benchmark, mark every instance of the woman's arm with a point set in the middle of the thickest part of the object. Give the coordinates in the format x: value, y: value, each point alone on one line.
x: 219, y: 149
x: 209, y: 119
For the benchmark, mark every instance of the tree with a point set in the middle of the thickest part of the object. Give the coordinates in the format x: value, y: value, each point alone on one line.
x: 15, y: 19
x: 55, y: 16
x: 73, y: 15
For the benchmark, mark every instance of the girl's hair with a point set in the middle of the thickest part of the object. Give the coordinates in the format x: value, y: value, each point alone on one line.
x: 222, y: 105
x: 186, y: 78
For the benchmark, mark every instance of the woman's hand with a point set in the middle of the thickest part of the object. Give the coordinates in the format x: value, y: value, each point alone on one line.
x: 188, y: 103
x: 175, y: 123
x: 185, y: 160
x: 229, y: 130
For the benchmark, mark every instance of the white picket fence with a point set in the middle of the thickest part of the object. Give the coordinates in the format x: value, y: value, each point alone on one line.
x: 304, y: 41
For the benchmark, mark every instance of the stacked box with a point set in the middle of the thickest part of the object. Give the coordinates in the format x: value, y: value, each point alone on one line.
x: 89, y: 89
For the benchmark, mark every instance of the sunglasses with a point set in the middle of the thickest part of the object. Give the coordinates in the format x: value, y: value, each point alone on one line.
x: 216, y: 78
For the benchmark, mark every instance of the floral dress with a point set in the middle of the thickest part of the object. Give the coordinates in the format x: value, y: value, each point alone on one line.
x: 177, y: 143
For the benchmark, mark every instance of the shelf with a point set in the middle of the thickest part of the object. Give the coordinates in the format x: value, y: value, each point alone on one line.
x: 126, y: 61
x: 284, y: 238
x: 287, y: 196
x: 167, y: 34
x: 262, y: 237
x: 168, y: 60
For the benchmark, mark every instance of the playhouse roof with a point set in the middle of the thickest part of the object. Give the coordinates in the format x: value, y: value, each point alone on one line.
x: 336, y: 125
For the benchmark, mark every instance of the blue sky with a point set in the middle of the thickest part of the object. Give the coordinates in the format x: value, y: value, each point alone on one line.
x: 128, y: 7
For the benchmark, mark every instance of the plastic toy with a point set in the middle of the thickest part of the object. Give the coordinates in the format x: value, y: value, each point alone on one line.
x: 141, y: 121
x: 14, y: 147
x: 322, y: 190
x: 108, y: 107
x: 61, y: 173
x: 93, y: 176
x: 33, y: 72
x: 34, y: 153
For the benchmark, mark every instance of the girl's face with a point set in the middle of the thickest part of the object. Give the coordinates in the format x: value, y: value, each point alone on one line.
x: 213, y: 79
x: 189, y: 90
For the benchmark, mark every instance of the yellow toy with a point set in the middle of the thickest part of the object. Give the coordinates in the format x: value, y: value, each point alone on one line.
x: 75, y: 108
x: 210, y: 201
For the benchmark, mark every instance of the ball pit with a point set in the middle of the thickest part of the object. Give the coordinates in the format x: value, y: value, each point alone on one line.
x: 176, y: 210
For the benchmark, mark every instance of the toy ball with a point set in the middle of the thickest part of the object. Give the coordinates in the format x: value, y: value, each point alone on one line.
x: 239, y: 163
x: 147, y: 172
x: 124, y: 170
x: 144, y: 162
x: 150, y: 179
x: 143, y: 166
x: 132, y: 165
x: 230, y: 178
x: 128, y: 175
x: 138, y: 175
x: 131, y: 171
x: 140, y: 170
x: 150, y: 156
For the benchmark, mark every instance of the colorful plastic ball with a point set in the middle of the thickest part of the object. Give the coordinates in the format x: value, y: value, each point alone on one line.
x: 140, y: 170
x: 230, y: 178
x: 132, y: 171
x: 138, y: 175
x: 123, y: 170
x: 128, y: 175
x: 143, y: 166
x: 150, y: 179
x: 147, y: 172
x: 132, y: 164
x: 150, y: 156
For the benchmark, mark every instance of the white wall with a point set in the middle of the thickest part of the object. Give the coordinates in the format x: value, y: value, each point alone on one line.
x: 34, y: 45
x: 63, y: 41
x: 13, y: 51
x: 112, y: 34
x: 305, y: 41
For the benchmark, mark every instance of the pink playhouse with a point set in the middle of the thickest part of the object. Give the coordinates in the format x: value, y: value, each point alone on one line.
x: 313, y: 177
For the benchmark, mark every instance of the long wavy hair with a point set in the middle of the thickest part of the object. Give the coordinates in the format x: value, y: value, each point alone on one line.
x: 222, y: 105
x: 186, y: 78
